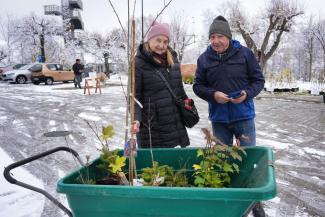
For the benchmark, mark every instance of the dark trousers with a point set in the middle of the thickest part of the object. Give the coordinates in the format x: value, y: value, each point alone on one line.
x: 77, y: 81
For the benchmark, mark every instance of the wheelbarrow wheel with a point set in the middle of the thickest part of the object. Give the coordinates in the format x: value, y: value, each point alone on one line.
x: 258, y: 210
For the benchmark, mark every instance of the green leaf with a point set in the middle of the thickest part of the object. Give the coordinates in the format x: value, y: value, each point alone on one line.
x: 196, y: 167
x: 221, y: 148
x: 236, y: 167
x: 108, y: 132
x: 199, y: 152
x: 199, y: 181
x: 118, y: 164
x: 227, y: 168
x: 235, y: 156
x: 241, y: 150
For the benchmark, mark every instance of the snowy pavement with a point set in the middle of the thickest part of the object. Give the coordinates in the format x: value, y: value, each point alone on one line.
x: 294, y: 130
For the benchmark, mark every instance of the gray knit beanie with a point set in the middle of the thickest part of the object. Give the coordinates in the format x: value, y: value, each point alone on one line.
x: 221, y: 26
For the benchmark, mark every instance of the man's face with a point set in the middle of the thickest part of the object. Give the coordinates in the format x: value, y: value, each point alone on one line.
x: 219, y: 43
x: 158, y: 44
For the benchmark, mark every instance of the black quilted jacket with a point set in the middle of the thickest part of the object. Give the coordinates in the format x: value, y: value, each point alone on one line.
x: 159, y: 113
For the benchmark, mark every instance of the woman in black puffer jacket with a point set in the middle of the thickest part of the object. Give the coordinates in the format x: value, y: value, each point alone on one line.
x: 158, y: 121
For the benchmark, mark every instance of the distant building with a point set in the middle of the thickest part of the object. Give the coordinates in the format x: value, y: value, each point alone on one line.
x: 70, y: 13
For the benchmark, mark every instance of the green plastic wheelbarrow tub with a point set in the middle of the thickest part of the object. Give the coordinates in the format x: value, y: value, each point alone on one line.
x: 255, y: 182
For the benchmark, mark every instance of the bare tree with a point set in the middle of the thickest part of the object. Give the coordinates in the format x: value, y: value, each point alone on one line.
x: 104, y: 47
x: 7, y: 26
x: 279, y: 18
x: 34, y: 31
x: 147, y: 21
x: 308, y: 43
x: 319, y: 33
x: 3, y: 55
x: 181, y: 37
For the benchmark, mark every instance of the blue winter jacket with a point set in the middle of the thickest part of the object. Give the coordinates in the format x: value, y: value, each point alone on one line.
x: 238, y: 70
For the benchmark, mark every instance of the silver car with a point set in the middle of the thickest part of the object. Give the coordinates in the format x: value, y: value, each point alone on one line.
x: 22, y: 75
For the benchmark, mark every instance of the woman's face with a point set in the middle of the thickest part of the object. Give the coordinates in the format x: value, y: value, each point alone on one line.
x: 158, y: 44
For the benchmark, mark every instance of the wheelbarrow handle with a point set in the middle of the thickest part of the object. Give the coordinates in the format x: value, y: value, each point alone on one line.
x: 12, y: 180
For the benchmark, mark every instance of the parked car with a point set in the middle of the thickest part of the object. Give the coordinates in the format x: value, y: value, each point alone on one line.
x: 19, y: 76
x: 10, y: 68
x: 51, y: 72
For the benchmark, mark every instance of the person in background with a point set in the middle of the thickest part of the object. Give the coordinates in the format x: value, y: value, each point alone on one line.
x: 157, y: 119
x: 77, y: 69
x: 228, y: 77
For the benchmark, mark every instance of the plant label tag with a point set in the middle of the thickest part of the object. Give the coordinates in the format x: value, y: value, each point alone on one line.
x: 127, y: 148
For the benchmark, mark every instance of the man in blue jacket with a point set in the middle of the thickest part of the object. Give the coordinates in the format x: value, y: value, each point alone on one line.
x: 228, y: 77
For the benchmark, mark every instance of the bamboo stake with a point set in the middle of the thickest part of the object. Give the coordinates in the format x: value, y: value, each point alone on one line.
x: 131, y: 160
x: 128, y: 85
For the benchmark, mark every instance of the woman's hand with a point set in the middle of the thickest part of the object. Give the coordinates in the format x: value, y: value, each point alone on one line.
x: 136, y: 126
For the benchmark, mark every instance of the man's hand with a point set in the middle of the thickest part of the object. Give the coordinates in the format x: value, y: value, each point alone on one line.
x: 243, y: 96
x: 221, y: 97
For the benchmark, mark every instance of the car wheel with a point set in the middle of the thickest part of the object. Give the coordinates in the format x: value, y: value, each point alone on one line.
x: 49, y: 81
x: 21, y: 79
x: 36, y: 82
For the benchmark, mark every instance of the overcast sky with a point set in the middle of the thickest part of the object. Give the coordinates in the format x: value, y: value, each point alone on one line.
x: 98, y: 15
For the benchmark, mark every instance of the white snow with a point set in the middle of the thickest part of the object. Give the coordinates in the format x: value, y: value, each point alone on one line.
x: 65, y: 126
x: 122, y: 109
x: 266, y: 134
x: 314, y: 151
x: 106, y: 108
x: 16, y: 201
x: 273, y: 144
x: 276, y: 200
x: 89, y: 117
x: 25, y: 134
x: 315, y: 177
x: 301, y: 152
x: 282, y: 162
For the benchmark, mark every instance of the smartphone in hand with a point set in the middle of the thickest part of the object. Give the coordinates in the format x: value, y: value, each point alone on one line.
x: 236, y: 95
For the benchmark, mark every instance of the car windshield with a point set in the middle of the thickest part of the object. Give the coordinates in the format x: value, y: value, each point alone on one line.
x: 26, y: 67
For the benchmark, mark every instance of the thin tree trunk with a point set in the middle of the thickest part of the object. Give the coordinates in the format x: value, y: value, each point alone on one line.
x: 42, y: 42
x: 310, y: 60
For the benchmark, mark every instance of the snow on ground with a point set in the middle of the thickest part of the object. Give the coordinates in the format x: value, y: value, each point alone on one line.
x: 89, y: 117
x: 314, y: 151
x: 273, y: 144
x: 18, y: 201
x: 314, y: 87
x: 293, y: 130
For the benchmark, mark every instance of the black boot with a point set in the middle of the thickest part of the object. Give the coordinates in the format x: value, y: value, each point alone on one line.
x: 258, y: 210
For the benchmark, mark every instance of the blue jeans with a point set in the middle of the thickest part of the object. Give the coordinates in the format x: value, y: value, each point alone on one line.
x: 242, y: 130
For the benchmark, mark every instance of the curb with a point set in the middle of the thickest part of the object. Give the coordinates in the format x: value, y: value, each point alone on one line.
x: 314, y: 99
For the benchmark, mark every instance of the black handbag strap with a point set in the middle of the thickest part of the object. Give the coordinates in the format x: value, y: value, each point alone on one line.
x: 166, y: 83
